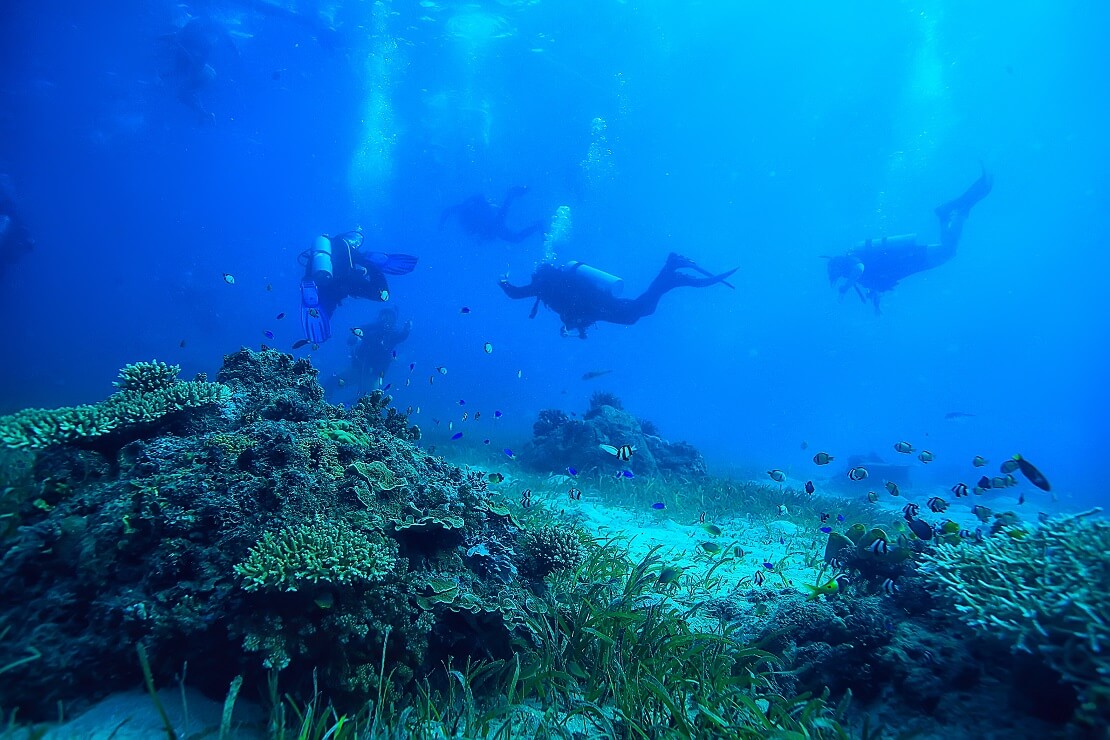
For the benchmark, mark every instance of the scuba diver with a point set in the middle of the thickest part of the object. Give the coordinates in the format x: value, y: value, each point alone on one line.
x: 481, y: 217
x: 335, y: 268
x: 583, y: 295
x: 875, y: 266
x: 193, y: 52
x: 15, y: 237
x: 372, y: 348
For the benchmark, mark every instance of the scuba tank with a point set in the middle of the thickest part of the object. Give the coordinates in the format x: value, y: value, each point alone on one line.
x: 320, y: 263
x: 888, y: 243
x: 601, y: 280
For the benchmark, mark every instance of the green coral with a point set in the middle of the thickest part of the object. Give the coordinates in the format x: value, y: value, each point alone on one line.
x: 232, y: 445
x: 377, y: 475
x: 550, y: 549
x: 323, y: 456
x: 343, y: 432
x: 148, y: 392
x: 321, y: 552
x: 435, y: 520
x: 1048, y: 593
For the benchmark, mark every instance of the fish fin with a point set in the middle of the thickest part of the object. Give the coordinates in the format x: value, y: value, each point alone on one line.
x: 608, y: 448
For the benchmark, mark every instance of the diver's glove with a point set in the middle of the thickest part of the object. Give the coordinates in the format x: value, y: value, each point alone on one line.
x: 314, y: 320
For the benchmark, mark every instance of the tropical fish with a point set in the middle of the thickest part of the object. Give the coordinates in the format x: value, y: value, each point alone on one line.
x: 624, y: 452
x: 1009, y: 466
x: 777, y: 475
x: 487, y: 348
x: 823, y: 458
x: 809, y: 487
x: 712, y: 529
x: 462, y: 401
x: 768, y: 565
x: 925, y: 456
x: 826, y: 529
x: 182, y: 344
x: 892, y: 487
x: 358, y: 331
x: 981, y: 512
x: 456, y: 435
x: 268, y: 334
x: 412, y: 366
x: 526, y: 493
x: 857, y: 473
x: 573, y: 473
x: 626, y: 474
x: 872, y: 496
x: 936, y: 504
x: 1031, y: 473
x: 519, y: 374
x: 759, y: 578
x: 825, y: 516
x: 670, y: 575
x: 509, y: 453
x: 878, y: 547
x: 889, y: 587
x: 441, y: 370
x: 921, y: 529
x: 984, y: 483
x: 738, y: 551
x: 464, y: 309
x: 495, y: 477
x: 229, y: 278
x: 526, y: 502
x: 383, y: 294
x: 904, y: 447
x: 979, y: 461
x: 575, y: 494
x: 711, y: 548
x: 910, y: 510
x: 828, y: 589
x: 659, y: 506
x: 299, y: 343
x: 998, y: 482
x: 595, y: 374
x: 960, y: 489
x: 280, y: 316
x: 497, y: 414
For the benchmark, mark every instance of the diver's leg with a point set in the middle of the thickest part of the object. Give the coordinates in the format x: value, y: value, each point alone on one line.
x: 953, y: 213
x: 512, y: 194
x: 516, y: 237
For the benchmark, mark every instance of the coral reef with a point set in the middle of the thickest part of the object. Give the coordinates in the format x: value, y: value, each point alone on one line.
x: 281, y: 532
x: 558, y: 441
x: 149, y: 395
x: 551, y: 548
x: 1046, y: 592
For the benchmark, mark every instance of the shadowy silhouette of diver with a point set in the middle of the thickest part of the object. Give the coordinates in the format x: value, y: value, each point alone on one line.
x: 337, y: 268
x: 372, y: 352
x: 481, y: 217
x: 194, y: 52
x: 875, y: 266
x: 583, y: 295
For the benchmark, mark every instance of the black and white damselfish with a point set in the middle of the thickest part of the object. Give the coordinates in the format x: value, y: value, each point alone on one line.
x: 624, y: 452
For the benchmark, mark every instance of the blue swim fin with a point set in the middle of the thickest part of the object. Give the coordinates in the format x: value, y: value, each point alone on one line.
x: 314, y: 320
x: 393, y: 264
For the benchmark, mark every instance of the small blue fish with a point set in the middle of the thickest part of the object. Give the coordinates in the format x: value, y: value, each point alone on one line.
x: 826, y: 530
x: 768, y: 565
x: 509, y: 453
x: 462, y: 402
x: 627, y: 474
x: 497, y: 414
x: 412, y: 365
x: 485, y: 441
x: 464, y: 309
x: 387, y: 386
x: 840, y: 518
x: 393, y: 354
x: 659, y: 506
x: 456, y: 435
x: 280, y: 316
x: 572, y: 472
x: 268, y: 334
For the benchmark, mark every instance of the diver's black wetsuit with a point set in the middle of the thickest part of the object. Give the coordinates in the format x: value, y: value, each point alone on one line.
x: 372, y: 353
x: 481, y: 217
x: 15, y: 237
x: 581, y: 303
x: 875, y: 266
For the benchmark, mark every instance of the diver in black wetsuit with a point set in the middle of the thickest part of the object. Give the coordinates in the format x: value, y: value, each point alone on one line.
x: 15, y: 237
x: 875, y: 266
x: 583, y: 295
x: 336, y: 268
x: 372, y: 348
x: 194, y: 52
x: 481, y: 217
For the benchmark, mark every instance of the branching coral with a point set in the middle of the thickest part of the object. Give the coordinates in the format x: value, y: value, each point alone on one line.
x: 1048, y: 592
x: 148, y: 392
x: 323, y: 551
x: 553, y: 548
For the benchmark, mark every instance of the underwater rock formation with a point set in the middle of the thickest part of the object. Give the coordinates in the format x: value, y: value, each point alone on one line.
x: 241, y: 526
x: 559, y: 441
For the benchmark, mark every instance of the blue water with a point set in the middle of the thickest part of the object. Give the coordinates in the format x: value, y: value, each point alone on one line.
x: 754, y: 135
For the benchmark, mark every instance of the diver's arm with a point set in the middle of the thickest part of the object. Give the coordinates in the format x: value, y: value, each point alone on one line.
x: 519, y: 291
